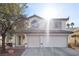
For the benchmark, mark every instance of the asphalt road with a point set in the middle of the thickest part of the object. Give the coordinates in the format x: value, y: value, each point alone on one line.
x: 47, y: 51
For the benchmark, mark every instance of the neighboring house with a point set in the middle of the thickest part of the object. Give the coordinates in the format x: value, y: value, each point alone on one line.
x: 37, y: 35
x: 74, y: 38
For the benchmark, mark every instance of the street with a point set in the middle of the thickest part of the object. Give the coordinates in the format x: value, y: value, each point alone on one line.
x: 50, y: 51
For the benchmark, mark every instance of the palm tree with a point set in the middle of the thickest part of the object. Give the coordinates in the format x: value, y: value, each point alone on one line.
x: 72, y: 24
x: 68, y: 25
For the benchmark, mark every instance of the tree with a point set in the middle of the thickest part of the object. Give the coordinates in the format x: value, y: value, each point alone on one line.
x: 9, y: 16
x: 68, y: 25
x: 72, y: 24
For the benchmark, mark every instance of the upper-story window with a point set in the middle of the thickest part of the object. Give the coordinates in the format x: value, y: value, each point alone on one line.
x: 35, y: 24
x: 34, y: 21
x: 58, y: 24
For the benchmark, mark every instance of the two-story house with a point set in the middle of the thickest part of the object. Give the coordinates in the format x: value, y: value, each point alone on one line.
x: 57, y: 35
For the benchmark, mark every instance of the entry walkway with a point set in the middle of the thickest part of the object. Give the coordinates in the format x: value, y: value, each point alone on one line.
x: 47, y: 51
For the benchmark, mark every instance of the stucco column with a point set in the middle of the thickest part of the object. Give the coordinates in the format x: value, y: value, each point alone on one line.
x: 25, y: 40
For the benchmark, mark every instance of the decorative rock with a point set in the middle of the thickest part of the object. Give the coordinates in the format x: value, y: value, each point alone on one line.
x: 11, y: 51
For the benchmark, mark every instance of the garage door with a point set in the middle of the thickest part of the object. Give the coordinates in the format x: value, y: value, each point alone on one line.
x: 36, y: 41
x: 58, y: 41
x: 41, y: 41
x: 33, y: 41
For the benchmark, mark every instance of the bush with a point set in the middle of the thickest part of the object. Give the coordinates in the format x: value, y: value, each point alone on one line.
x: 9, y: 44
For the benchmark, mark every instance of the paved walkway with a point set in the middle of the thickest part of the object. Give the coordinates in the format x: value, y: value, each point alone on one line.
x: 50, y: 52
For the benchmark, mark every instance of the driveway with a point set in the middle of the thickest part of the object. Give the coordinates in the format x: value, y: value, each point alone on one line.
x: 50, y: 51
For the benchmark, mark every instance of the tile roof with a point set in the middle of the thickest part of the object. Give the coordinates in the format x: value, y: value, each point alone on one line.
x: 53, y: 18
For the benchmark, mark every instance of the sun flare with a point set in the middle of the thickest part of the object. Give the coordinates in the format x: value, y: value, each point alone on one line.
x: 49, y: 12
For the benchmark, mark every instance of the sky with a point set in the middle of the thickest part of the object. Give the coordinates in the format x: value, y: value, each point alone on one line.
x: 55, y: 10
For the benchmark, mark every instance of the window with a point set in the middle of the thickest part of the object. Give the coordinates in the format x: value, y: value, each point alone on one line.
x: 19, y: 41
x: 34, y: 21
x: 35, y: 24
x: 58, y: 25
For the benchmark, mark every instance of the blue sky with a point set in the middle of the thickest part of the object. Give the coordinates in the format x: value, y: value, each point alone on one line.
x: 70, y: 10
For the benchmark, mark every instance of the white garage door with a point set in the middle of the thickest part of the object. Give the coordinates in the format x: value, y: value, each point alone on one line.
x: 33, y: 41
x: 36, y: 41
x: 58, y: 41
x: 41, y: 41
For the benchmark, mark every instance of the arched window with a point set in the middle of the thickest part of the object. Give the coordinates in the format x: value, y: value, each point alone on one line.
x: 34, y: 21
x: 35, y: 24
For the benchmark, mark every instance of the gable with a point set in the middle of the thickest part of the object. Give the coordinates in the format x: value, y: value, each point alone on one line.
x: 36, y: 22
x: 35, y: 16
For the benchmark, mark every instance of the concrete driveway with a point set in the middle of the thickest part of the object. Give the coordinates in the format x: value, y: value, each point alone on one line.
x: 50, y: 51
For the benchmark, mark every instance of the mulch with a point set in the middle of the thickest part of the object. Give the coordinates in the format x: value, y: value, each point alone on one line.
x: 16, y: 51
